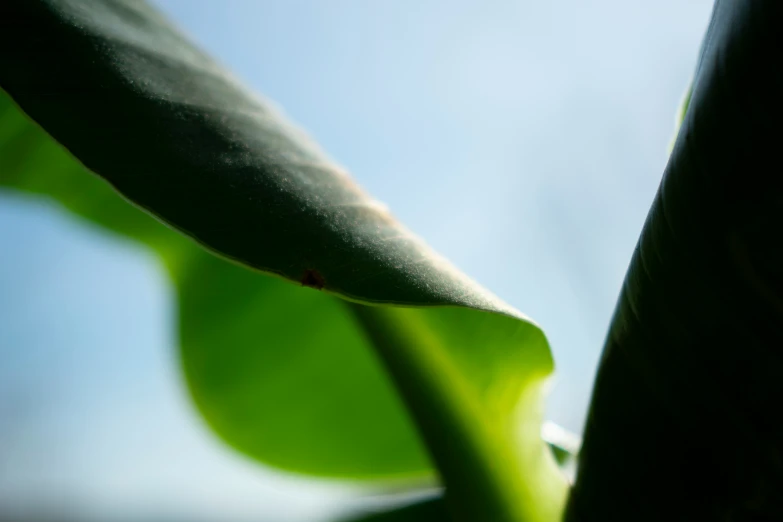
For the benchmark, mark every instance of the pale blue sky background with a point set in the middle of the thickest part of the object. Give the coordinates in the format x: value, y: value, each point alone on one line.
x: 524, y: 140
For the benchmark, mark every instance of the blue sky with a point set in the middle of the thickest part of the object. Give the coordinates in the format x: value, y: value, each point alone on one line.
x: 523, y: 140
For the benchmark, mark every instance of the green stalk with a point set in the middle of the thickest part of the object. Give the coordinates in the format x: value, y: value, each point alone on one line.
x: 495, y: 467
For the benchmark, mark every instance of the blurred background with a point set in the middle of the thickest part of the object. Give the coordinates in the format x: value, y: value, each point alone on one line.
x: 523, y: 140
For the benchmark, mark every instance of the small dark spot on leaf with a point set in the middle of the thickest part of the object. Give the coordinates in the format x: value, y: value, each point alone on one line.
x: 313, y: 279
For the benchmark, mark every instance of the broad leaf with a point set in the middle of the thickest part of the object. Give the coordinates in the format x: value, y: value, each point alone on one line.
x: 290, y: 376
x: 685, y: 419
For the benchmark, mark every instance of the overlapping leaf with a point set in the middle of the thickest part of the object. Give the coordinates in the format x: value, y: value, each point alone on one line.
x: 290, y: 376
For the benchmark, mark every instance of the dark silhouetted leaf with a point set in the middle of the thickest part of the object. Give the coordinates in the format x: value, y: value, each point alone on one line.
x: 685, y: 420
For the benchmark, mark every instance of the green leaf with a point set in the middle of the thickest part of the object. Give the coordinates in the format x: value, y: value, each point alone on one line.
x: 564, y: 447
x: 290, y: 376
x: 685, y: 418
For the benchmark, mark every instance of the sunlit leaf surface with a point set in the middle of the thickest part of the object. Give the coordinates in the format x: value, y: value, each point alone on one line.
x: 294, y: 377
